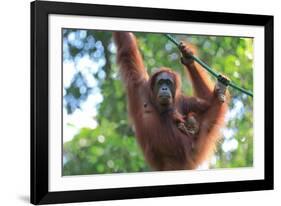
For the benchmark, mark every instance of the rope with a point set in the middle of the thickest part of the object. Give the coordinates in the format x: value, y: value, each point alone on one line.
x: 210, y: 70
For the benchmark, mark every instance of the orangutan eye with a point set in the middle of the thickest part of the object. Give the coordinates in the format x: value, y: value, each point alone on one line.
x: 169, y: 82
x: 161, y: 81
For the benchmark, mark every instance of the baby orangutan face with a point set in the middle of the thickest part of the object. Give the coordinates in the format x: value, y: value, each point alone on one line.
x: 191, y: 125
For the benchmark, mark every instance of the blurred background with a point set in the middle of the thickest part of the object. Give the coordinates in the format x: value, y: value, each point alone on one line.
x: 97, y: 136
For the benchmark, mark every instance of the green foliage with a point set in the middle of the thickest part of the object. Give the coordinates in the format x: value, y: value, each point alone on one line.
x: 111, y: 146
x: 102, y: 150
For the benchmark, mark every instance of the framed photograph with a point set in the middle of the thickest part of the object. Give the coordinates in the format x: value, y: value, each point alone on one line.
x: 131, y: 102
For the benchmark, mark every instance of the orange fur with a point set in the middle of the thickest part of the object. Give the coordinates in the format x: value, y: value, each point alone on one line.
x: 164, y: 146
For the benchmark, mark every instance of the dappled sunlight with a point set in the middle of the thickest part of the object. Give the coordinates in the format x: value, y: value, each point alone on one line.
x: 97, y: 134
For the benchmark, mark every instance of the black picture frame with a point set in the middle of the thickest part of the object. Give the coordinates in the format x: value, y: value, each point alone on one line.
x: 40, y: 109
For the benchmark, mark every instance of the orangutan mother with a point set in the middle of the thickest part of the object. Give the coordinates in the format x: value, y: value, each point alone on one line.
x: 174, y: 131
